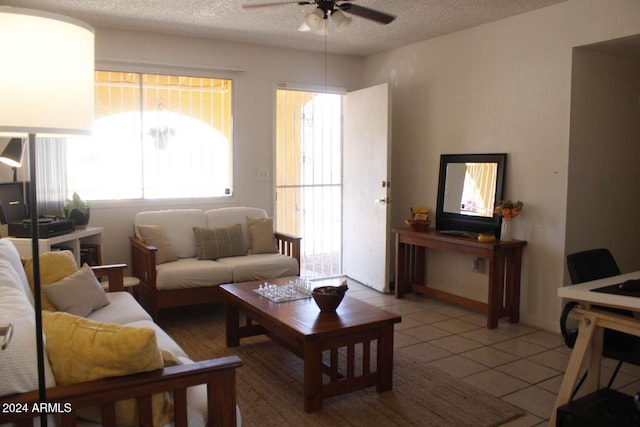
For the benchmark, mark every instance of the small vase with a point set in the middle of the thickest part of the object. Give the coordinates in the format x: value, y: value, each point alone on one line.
x: 505, y: 233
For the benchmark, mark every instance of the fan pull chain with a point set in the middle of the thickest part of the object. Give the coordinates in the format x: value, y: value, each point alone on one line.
x: 326, y: 54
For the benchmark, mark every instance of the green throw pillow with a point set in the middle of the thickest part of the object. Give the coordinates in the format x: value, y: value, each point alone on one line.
x: 214, y: 243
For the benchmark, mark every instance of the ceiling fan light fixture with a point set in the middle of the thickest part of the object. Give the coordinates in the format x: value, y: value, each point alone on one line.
x: 316, y: 20
x: 304, y: 27
x: 340, y: 20
x: 322, y: 29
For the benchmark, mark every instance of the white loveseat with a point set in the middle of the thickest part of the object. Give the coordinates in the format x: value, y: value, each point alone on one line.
x: 186, y: 381
x: 183, y: 277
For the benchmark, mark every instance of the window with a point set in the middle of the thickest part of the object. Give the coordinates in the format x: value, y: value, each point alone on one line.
x: 154, y: 137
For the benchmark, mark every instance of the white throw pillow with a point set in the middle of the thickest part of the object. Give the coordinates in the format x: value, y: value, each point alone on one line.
x: 78, y: 294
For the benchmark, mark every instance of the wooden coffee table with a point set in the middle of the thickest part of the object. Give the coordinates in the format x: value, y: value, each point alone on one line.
x: 300, y: 328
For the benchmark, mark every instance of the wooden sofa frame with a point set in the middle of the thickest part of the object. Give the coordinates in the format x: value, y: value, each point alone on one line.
x: 143, y: 262
x: 218, y: 374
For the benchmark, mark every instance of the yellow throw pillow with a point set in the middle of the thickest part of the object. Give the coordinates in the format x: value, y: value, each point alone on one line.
x: 83, y: 350
x: 261, y: 235
x: 54, y: 266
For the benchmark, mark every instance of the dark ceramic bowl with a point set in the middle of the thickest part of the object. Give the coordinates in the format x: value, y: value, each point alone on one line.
x: 328, y: 298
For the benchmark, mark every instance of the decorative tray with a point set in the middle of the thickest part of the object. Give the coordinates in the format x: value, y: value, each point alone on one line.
x: 294, y: 290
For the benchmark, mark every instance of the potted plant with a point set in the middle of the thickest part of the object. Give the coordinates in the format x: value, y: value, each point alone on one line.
x: 77, y: 210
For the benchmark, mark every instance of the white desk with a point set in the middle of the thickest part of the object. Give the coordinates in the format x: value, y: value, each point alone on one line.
x: 91, y: 235
x: 588, y: 346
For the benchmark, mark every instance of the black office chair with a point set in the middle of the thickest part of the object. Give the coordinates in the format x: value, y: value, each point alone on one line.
x: 590, y: 265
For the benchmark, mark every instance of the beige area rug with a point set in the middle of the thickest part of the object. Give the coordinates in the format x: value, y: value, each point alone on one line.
x: 269, y: 385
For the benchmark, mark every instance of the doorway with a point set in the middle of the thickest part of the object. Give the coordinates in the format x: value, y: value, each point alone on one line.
x: 309, y: 177
x: 604, y: 138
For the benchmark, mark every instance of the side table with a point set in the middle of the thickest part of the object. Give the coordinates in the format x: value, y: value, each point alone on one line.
x: 505, y: 260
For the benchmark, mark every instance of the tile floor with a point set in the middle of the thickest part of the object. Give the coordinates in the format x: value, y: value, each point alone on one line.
x: 520, y: 364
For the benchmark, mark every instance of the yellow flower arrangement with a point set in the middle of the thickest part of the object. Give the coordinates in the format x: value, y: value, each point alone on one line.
x: 508, y: 209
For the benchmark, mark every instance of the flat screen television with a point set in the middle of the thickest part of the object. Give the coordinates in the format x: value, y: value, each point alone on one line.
x: 469, y: 188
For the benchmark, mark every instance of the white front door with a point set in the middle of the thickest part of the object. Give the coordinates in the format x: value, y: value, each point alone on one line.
x: 366, y: 172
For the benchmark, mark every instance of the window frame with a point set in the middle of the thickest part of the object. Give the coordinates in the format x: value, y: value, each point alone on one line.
x: 125, y: 66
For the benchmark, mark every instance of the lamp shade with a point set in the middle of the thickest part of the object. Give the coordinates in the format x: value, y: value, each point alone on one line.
x: 340, y: 20
x: 47, y: 74
x: 316, y: 21
x: 12, y: 153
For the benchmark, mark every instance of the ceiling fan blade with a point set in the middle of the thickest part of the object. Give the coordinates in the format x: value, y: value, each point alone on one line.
x: 365, y: 12
x: 250, y: 5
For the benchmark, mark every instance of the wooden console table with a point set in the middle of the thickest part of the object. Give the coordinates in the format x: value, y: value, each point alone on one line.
x: 505, y: 259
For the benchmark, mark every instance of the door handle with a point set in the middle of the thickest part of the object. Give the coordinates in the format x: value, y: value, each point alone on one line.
x: 383, y: 201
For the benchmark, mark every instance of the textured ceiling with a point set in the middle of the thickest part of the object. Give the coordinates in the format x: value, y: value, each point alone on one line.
x: 416, y: 20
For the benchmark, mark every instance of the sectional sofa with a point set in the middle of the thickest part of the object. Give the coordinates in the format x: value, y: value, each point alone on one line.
x: 132, y: 368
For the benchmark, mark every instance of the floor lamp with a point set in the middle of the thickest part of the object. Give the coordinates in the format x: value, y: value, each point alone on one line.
x: 12, y: 156
x: 47, y: 86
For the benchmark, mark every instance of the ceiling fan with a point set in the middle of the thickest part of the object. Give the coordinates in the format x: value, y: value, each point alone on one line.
x: 333, y: 8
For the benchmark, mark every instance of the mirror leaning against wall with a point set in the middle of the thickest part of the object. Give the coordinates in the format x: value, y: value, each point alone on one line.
x: 469, y: 187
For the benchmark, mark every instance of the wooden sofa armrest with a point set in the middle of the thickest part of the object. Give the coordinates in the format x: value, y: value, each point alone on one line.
x: 114, y: 273
x: 218, y: 374
x: 143, y: 261
x: 288, y: 244
x: 141, y: 246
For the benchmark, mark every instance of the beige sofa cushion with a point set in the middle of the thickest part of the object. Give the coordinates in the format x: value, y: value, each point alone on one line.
x: 123, y: 309
x: 191, y: 273
x: 261, y: 266
x: 178, y: 227
x: 166, y: 344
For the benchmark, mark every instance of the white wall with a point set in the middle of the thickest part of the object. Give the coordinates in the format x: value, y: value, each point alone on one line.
x: 253, y: 109
x: 500, y: 87
x: 604, y: 177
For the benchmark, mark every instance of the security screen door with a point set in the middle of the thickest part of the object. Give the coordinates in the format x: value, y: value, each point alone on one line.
x: 332, y: 181
x: 308, y: 177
